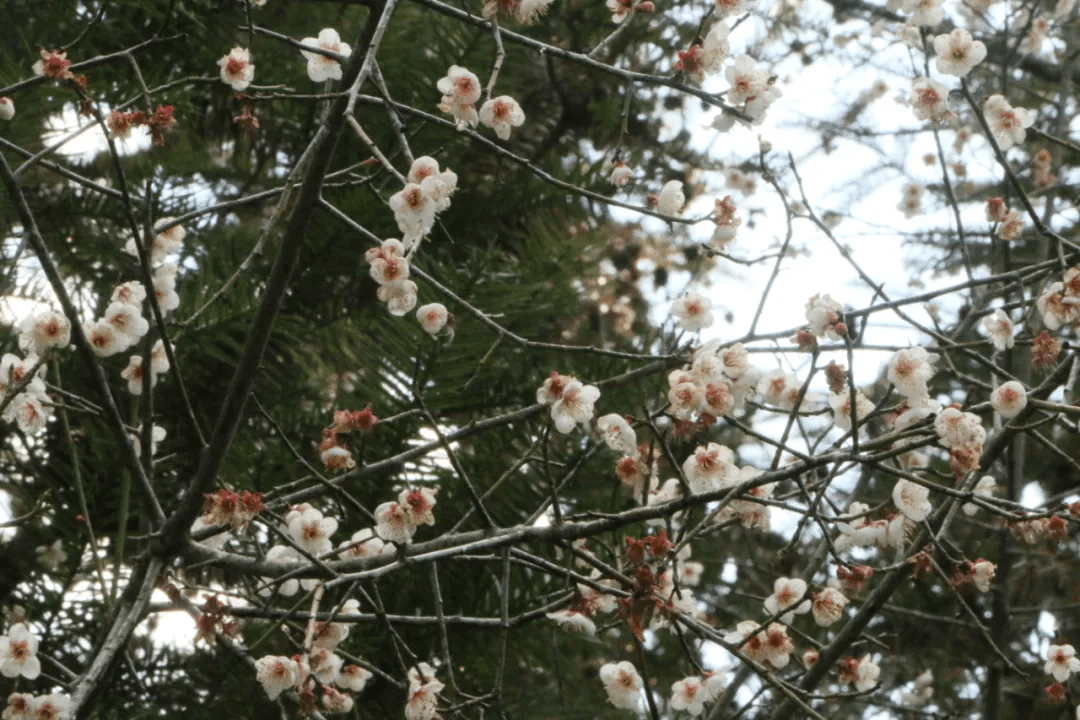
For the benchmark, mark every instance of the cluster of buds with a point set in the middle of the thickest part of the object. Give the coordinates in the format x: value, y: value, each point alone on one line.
x: 1040, y: 165
x: 571, y: 401
x: 1010, y: 223
x: 1032, y: 531
x: 854, y: 577
x: 727, y: 223
x: 978, y: 573
x: 159, y: 122
x: 214, y: 616
x: 622, y: 9
x: 333, y: 451
x: 236, y: 510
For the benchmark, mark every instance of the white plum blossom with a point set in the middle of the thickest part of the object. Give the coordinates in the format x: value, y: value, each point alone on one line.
x: 909, y: 370
x: 130, y: 293
x: 982, y: 572
x: 277, y: 674
x: 363, y: 544
x: 276, y: 554
x: 336, y: 702
x: 502, y: 114
x: 959, y: 430
x: 461, y: 90
x: 984, y: 488
x: 927, y: 13
x: 620, y: 175
x: 52, y: 555
x: 866, y: 675
x: 710, y: 467
x: 553, y: 388
x: 786, y: 593
x: 693, y: 311
x: 414, y: 212
x: 310, y: 530
x: 1057, y: 307
x: 617, y: 433
x: 127, y: 320
x: 574, y: 407
x: 825, y: 317
x: 747, y: 81
x: 237, y: 69
x: 574, y: 621
x: 999, y: 326
x: 133, y: 373
x: 958, y: 53
x: 353, y: 677
x: 715, y: 48
x: 394, y: 523
x: 1009, y: 399
x: 1061, y: 661
x: 423, y: 689
x: 912, y: 499
x: 325, y: 664
x: 18, y: 653
x: 841, y: 408
x: 7, y: 108
x: 623, y: 685
x: 691, y: 693
x: 399, y: 296
x: 321, y: 67
x: 671, y: 199
x: 928, y: 100
x: 1007, y: 124
x: 164, y: 282
x: 104, y: 339
x: 432, y: 317
x: 43, y: 331
x: 55, y: 706
x: 828, y: 606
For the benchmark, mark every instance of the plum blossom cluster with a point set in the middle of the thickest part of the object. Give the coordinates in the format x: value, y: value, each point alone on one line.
x: 24, y: 706
x: 705, y: 56
x: 691, y: 693
x: 397, y: 522
x: 963, y: 434
x: 319, y: 668
x: 718, y: 381
x: 859, y: 529
x: 426, y: 193
x: 461, y: 90
x: 571, y: 401
x: 333, y: 450
x: 161, y: 121
x: 236, y: 510
x: 389, y: 267
x: 424, y: 688
x: 18, y: 653
x: 22, y: 386
x: 1059, y: 303
x: 310, y: 531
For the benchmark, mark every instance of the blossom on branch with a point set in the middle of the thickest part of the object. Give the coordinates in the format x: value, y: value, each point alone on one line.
x: 237, y: 70
x: 1007, y: 124
x: 623, y: 685
x: 321, y: 67
x: 958, y: 53
x: 501, y: 114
